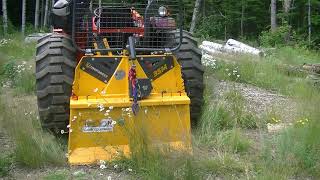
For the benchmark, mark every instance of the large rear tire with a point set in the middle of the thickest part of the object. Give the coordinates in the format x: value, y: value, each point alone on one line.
x: 55, y: 66
x: 189, y: 57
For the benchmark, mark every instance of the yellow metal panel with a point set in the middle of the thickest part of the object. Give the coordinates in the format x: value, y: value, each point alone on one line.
x: 103, y: 126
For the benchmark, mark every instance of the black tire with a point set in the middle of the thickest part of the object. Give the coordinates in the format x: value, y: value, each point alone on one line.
x: 189, y: 57
x: 55, y: 66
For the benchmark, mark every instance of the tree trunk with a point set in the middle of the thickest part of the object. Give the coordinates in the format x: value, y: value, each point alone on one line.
x: 42, y: 12
x: 195, y: 15
x: 287, y: 6
x: 23, y: 21
x: 273, y: 15
x: 36, y: 15
x: 46, y: 10
x: 309, y: 21
x: 242, y: 17
x: 5, y: 16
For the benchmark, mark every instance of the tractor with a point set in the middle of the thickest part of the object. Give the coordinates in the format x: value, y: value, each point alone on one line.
x: 112, y: 72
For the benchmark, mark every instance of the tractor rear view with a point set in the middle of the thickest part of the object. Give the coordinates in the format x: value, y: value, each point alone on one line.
x: 113, y: 73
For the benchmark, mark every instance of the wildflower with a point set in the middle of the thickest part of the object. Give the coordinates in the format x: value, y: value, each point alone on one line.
x: 70, y: 131
x: 102, y: 162
x: 102, y: 166
x: 62, y: 131
x: 238, y: 75
x: 229, y: 74
x: 130, y: 170
x: 68, y: 126
x: 146, y: 111
x: 111, y: 107
x: 115, y: 166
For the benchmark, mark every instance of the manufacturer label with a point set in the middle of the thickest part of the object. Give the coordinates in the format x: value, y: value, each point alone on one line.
x: 106, y: 125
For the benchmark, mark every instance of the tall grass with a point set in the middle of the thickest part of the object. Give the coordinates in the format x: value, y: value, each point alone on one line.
x: 33, y: 147
x: 295, y: 152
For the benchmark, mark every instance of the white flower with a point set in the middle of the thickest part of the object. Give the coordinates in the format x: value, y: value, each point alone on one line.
x: 103, y: 92
x: 146, y: 111
x: 62, y: 131
x: 102, y: 162
x: 96, y: 90
x: 68, y: 126
x: 106, y: 114
x: 115, y: 166
x: 102, y: 166
x: 75, y: 117
x: 70, y: 131
x: 127, y: 109
x: 130, y: 170
x: 111, y: 107
x: 238, y: 75
x: 107, y: 111
x: 229, y: 74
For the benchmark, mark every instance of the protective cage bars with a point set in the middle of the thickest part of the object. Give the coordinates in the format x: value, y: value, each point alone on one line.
x: 105, y: 26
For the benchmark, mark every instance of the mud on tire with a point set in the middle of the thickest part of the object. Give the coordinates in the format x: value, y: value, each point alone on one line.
x: 189, y: 57
x: 55, y: 66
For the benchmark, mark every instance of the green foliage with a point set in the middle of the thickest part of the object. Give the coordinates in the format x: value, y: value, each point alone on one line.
x: 5, y: 165
x: 280, y: 37
x: 207, y: 29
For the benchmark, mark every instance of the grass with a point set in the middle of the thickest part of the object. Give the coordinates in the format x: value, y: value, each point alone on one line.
x: 5, y: 165
x: 221, y: 150
x: 293, y: 153
x: 59, y: 175
x: 33, y: 147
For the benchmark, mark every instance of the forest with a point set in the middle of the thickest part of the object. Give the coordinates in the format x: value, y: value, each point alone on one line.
x: 270, y: 23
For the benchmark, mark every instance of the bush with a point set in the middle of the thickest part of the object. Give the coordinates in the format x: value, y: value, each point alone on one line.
x: 211, y: 27
x: 283, y: 35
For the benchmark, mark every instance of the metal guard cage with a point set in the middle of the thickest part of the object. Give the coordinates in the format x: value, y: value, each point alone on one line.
x: 106, y: 25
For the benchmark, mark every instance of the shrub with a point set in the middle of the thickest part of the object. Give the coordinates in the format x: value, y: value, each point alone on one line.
x: 281, y: 36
